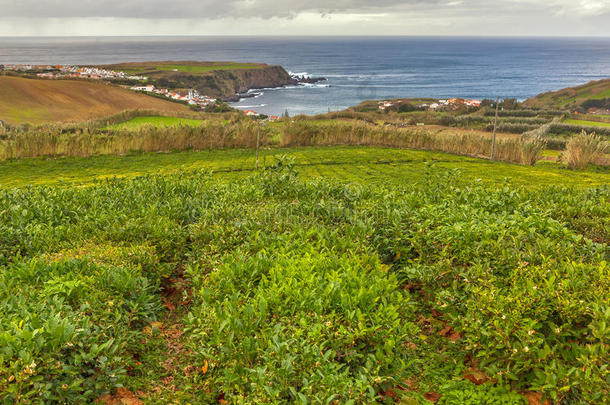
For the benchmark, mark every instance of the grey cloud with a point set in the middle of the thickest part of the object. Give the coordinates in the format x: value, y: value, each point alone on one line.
x: 204, y: 9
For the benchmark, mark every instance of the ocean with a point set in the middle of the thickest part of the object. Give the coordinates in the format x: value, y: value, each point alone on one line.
x: 357, y: 69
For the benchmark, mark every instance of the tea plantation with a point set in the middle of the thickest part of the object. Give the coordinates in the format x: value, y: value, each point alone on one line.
x: 282, y: 286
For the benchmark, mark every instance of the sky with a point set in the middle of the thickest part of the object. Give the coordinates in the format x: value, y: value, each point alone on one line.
x: 305, y: 17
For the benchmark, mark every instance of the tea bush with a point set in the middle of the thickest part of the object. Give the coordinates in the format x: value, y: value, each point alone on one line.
x: 306, y: 291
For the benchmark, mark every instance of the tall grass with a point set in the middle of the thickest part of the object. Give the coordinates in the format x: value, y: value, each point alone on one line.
x: 86, y: 142
x: 300, y: 133
x: 583, y: 149
x: 240, y: 132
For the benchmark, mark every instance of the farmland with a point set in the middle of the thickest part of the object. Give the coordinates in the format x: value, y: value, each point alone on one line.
x: 348, y: 274
x: 588, y: 123
x: 33, y: 101
x: 157, y: 121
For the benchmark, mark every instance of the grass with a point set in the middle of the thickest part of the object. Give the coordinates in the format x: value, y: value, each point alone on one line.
x: 34, y: 101
x: 156, y: 121
x: 585, y: 123
x: 572, y: 96
x: 184, y: 67
x: 204, y: 69
x: 351, y: 274
x: 346, y: 164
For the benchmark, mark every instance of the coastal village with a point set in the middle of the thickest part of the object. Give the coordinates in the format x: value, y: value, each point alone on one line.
x: 192, y: 97
x: 443, y: 104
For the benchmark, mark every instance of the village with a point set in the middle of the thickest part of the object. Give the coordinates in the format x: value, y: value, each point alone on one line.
x: 70, y: 71
x: 192, y: 96
x: 443, y: 104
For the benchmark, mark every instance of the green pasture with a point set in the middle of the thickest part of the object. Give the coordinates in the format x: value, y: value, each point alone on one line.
x: 157, y: 121
x: 586, y: 123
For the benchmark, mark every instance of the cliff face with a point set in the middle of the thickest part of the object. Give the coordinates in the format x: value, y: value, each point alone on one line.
x: 240, y: 81
x: 225, y: 84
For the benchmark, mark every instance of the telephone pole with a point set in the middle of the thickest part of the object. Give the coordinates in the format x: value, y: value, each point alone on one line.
x: 493, y: 140
x: 258, y: 136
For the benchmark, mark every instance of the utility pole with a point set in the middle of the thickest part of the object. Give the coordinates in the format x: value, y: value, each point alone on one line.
x: 258, y: 136
x: 493, y: 140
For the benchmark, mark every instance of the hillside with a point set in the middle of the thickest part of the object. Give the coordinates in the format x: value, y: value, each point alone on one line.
x: 216, y: 79
x: 572, y: 97
x: 37, y: 101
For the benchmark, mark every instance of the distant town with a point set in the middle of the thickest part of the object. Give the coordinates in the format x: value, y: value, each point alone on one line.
x: 443, y: 104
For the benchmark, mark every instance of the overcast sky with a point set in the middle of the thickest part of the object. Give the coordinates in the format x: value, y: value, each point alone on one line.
x: 305, y: 17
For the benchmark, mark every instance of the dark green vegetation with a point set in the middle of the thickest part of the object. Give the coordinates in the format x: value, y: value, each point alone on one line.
x: 215, y: 79
x: 404, y: 280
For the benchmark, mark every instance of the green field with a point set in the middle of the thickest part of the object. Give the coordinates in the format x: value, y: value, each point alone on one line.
x: 588, y: 123
x: 202, y: 69
x: 345, y: 164
x: 138, y: 122
x: 186, y: 67
x: 338, y: 275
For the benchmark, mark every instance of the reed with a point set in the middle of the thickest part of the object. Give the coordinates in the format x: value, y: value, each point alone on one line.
x: 237, y: 131
x: 299, y: 133
x: 583, y: 149
x: 53, y: 141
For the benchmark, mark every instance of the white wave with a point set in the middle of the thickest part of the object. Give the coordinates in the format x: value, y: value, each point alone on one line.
x: 250, y: 106
x: 300, y: 74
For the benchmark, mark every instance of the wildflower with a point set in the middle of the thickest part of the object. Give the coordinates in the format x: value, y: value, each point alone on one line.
x: 65, y: 386
x: 531, y: 332
x: 526, y: 349
x: 557, y: 330
x: 110, y: 303
x: 503, y: 316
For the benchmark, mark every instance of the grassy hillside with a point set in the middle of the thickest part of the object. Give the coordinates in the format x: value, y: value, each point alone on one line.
x: 343, y: 275
x: 33, y: 101
x: 571, y: 97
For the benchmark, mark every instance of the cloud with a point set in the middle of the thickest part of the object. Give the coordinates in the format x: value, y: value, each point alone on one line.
x: 205, y: 9
x: 304, y: 17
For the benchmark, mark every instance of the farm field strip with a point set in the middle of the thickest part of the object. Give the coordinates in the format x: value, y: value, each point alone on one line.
x: 588, y: 123
x: 158, y: 121
x: 360, y: 164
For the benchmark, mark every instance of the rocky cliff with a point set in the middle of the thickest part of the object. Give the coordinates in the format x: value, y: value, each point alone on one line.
x: 226, y: 84
x: 222, y: 80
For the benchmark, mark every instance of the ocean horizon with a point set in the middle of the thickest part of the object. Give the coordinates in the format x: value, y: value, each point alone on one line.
x: 357, y: 68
